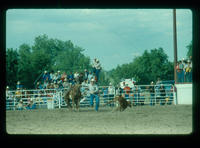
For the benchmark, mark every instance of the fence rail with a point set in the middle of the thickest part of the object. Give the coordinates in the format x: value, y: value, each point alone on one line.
x: 54, y: 98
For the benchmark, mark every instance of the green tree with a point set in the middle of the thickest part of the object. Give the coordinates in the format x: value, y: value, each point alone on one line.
x: 146, y: 68
x: 12, y: 59
x: 45, y: 54
x: 25, y: 68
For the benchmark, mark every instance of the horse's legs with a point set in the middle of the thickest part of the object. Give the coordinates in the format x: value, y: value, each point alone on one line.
x: 73, y: 103
x: 77, y: 104
x: 68, y: 103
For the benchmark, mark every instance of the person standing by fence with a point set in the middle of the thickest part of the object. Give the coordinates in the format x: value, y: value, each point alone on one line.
x: 162, y: 94
x: 111, y: 92
x: 152, y: 94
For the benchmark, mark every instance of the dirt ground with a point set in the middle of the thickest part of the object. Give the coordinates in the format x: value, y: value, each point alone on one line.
x: 171, y: 119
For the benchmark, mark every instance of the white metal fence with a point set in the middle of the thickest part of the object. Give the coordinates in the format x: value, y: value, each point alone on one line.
x: 54, y: 98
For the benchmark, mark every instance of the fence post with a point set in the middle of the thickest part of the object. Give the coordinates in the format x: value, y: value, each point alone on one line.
x: 14, y: 104
x: 174, y: 95
x: 59, y: 100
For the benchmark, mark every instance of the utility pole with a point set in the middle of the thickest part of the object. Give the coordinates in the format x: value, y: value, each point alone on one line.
x: 175, y: 43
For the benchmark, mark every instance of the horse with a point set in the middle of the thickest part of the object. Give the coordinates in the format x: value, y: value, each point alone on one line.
x: 74, y: 93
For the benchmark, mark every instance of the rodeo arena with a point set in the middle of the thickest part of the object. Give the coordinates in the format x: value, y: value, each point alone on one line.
x: 76, y: 104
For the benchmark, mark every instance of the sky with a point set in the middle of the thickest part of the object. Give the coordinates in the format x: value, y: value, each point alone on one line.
x: 114, y: 36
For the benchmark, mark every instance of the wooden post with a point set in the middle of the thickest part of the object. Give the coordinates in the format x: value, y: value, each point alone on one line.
x: 175, y: 43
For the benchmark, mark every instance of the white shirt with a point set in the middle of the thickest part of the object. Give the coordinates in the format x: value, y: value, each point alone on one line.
x: 98, y: 66
x: 76, y: 75
x: 93, y: 88
x: 111, y: 90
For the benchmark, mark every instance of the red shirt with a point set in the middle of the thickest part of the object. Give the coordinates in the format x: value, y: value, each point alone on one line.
x: 127, y: 89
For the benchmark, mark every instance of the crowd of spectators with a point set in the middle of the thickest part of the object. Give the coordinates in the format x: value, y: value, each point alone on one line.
x: 184, y: 70
x: 51, y: 80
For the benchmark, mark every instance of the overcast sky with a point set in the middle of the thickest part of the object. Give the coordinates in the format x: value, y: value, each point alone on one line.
x: 114, y: 36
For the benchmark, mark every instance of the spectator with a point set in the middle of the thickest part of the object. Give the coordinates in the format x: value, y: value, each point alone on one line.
x: 152, y: 94
x: 51, y: 86
x: 178, y: 71
x: 76, y: 75
x: 31, y: 105
x: 9, y: 98
x: 7, y: 91
x: 158, y: 81
x: 71, y: 78
x: 123, y: 85
x: 157, y: 93
x: 94, y: 65
x: 98, y: 69
x: 127, y: 90
x: 19, y: 85
x: 94, y: 90
x: 45, y: 84
x: 84, y: 87
x: 46, y: 76
x: 111, y: 92
x: 51, y: 75
x: 188, y: 72
x: 48, y: 86
x: 171, y: 95
x: 105, y: 94
x: 147, y: 94
x: 136, y: 95
x: 162, y: 94
x: 66, y: 84
x: 39, y: 85
x: 59, y: 75
x: 86, y: 74
x: 94, y: 77
x: 142, y: 96
x: 20, y: 105
x: 55, y: 77
x: 119, y: 91
x: 181, y: 68
x: 90, y: 75
x: 56, y: 86
x: 64, y: 76
x: 18, y: 95
x: 60, y: 84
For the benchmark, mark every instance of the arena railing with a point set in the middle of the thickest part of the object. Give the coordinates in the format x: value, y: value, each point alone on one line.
x: 43, y: 97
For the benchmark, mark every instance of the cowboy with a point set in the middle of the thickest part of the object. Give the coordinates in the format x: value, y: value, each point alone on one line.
x: 152, y: 94
x: 94, y: 90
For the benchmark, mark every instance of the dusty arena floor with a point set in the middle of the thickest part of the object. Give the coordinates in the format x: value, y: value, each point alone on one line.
x: 172, y: 119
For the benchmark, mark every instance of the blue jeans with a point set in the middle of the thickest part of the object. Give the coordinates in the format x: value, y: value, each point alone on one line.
x: 152, y: 99
x: 190, y: 77
x: 97, y: 73
x: 136, y: 99
x: 92, y: 96
x: 181, y: 76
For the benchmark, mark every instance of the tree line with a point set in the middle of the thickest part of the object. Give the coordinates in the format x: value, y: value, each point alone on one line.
x: 27, y: 63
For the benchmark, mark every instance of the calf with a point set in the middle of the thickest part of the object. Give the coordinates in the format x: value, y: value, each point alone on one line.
x: 122, y: 103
